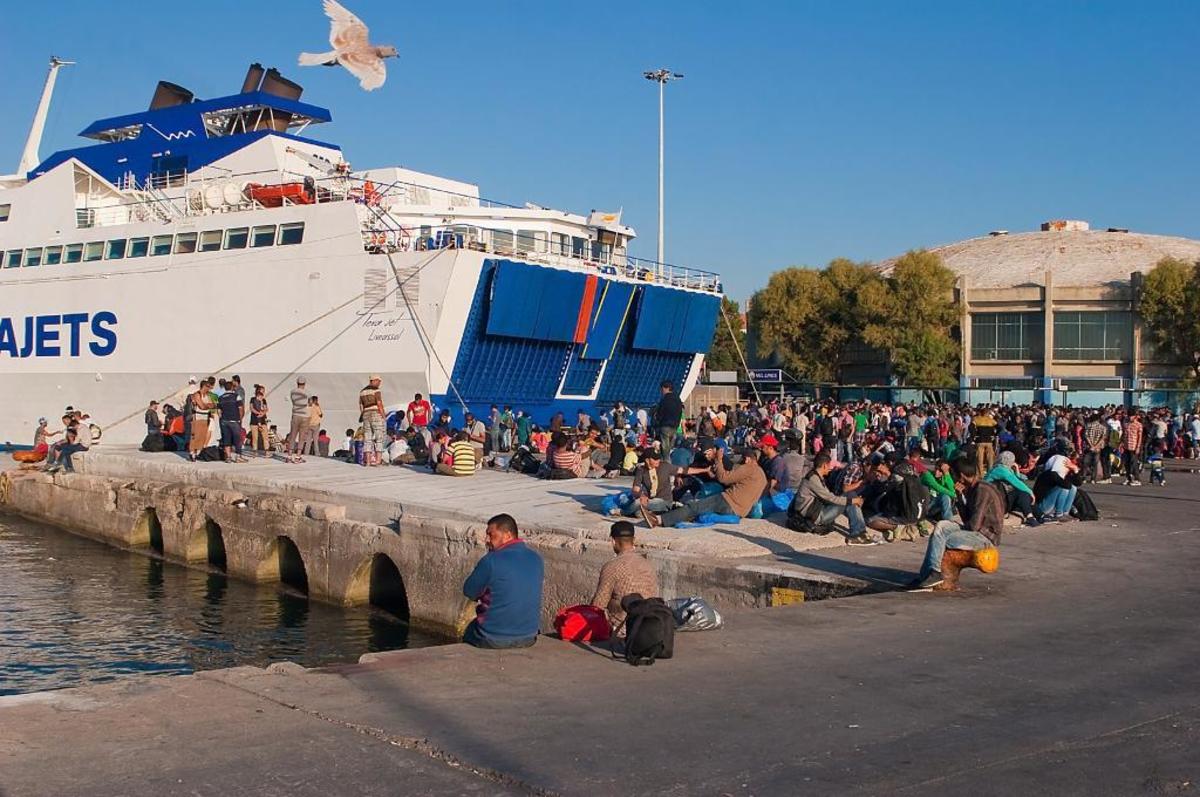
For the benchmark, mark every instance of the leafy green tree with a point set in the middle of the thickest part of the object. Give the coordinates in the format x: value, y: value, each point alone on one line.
x: 911, y: 316
x: 806, y: 319
x: 723, y: 354
x: 1170, y: 308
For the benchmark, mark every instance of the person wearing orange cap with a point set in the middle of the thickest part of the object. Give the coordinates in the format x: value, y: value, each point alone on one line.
x: 370, y: 404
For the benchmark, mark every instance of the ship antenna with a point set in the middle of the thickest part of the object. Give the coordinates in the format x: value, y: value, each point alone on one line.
x: 30, y: 157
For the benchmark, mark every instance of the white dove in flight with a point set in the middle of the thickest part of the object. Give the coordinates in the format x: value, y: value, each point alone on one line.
x: 352, y: 49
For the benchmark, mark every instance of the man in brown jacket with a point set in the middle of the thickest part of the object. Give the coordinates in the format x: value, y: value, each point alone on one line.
x: 744, y: 485
x: 983, y: 515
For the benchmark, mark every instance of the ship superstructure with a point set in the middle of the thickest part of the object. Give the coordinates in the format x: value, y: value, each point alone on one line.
x: 216, y: 236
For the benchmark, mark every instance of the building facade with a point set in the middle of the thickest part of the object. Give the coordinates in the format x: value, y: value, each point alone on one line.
x: 1052, y: 316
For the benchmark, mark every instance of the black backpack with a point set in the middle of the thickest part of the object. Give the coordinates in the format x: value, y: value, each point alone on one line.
x: 649, y: 630
x: 1084, y: 507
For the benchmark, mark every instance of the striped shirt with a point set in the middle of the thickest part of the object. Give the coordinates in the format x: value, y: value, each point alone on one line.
x: 464, y: 457
x: 1132, y: 439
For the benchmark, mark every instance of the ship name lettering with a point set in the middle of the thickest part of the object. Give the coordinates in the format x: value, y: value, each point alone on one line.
x: 58, y: 335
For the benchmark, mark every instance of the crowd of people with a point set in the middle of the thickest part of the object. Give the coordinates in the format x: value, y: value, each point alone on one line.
x: 872, y: 471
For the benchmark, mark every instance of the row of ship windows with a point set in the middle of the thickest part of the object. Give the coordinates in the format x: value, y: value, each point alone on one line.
x: 184, y: 243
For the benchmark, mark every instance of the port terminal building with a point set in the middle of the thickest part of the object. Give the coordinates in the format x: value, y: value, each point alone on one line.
x: 1052, y: 315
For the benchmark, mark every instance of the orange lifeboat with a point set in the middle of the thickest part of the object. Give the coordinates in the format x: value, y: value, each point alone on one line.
x: 273, y: 196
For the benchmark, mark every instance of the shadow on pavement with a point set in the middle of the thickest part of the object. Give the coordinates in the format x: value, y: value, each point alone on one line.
x: 878, y: 577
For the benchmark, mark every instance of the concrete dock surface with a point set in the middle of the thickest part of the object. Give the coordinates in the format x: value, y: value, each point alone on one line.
x: 1072, y: 670
x: 379, y: 495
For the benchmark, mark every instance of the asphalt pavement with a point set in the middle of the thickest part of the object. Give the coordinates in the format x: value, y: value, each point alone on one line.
x: 1075, y: 669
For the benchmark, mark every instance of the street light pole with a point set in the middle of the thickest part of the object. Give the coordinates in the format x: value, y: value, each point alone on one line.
x: 661, y: 76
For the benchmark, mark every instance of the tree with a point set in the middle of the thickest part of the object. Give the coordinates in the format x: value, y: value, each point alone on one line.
x: 1170, y: 308
x: 806, y: 319
x: 723, y: 353
x: 911, y: 316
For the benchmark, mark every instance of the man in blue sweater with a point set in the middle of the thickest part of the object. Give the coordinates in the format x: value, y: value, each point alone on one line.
x: 507, y: 584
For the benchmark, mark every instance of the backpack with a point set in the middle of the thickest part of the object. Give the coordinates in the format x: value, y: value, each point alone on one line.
x: 1084, y: 507
x: 524, y: 461
x: 210, y: 454
x: 694, y: 614
x: 649, y: 630
x: 805, y: 520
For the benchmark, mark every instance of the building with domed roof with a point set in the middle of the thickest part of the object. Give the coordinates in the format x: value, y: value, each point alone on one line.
x: 1055, y: 311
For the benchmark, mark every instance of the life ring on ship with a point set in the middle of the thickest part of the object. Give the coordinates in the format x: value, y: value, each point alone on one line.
x: 379, y: 239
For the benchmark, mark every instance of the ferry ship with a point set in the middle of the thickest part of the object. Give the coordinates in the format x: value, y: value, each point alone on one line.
x: 214, y: 237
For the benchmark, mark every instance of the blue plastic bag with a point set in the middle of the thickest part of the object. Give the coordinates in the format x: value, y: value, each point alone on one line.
x: 616, y: 501
x: 710, y: 488
x: 713, y: 517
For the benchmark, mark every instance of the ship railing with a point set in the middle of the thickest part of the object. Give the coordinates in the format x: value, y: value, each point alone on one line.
x: 388, y: 235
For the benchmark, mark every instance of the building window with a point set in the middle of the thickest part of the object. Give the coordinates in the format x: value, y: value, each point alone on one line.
x: 5, y: 212
x: 33, y: 257
x: 160, y: 245
x: 210, y: 241
x: 53, y: 255
x: 73, y: 253
x: 116, y: 249
x: 291, y: 234
x: 93, y: 250
x: 185, y: 243
x: 263, y: 236
x: 1092, y: 336
x: 139, y: 247
x: 237, y: 238
x: 1006, y: 336
x: 12, y: 258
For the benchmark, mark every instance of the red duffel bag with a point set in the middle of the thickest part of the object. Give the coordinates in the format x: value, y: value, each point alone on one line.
x: 582, y: 623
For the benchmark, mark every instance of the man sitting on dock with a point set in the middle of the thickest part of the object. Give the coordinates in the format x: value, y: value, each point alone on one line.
x: 628, y: 574
x: 744, y: 485
x: 507, y: 586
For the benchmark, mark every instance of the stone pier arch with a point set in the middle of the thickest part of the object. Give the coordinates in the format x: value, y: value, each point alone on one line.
x: 209, y: 545
x: 284, y: 563
x: 378, y: 582
x: 147, y: 531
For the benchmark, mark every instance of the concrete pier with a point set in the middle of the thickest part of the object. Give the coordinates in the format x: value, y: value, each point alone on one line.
x: 395, y: 537
x: 1070, y: 671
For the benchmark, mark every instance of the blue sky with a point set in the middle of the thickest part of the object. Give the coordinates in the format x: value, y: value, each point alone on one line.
x: 802, y: 132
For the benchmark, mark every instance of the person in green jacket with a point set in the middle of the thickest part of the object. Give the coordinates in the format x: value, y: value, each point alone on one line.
x: 940, y: 482
x: 1018, y: 494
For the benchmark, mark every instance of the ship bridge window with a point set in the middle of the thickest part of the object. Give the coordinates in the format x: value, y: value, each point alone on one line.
x: 560, y: 244
x: 160, y: 245
x: 502, y: 240
x: 531, y: 241
x: 579, y: 246
x: 93, y: 250
x: 53, y: 255
x: 73, y: 253
x: 210, y: 241
x: 5, y: 210
x: 33, y: 257
x: 139, y: 247
x: 237, y: 238
x: 115, y: 249
x: 185, y: 243
x: 263, y: 236
x: 12, y: 258
x: 290, y: 234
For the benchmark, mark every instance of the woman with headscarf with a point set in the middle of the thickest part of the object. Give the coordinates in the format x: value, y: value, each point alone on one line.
x: 1018, y: 496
